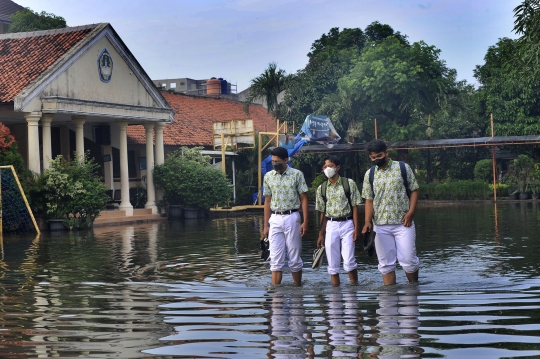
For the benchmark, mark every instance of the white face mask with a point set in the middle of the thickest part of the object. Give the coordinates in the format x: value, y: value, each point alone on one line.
x: 330, y: 172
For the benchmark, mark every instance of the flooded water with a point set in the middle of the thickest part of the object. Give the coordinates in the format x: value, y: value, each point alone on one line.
x: 197, y: 289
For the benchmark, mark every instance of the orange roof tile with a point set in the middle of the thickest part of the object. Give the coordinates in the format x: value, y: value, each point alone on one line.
x: 194, y: 116
x: 24, y: 56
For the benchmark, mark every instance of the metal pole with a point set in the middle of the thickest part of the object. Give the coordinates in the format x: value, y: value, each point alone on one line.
x: 277, y: 133
x: 234, y: 180
x: 376, y: 134
x: 259, y: 174
x: 494, y: 162
x: 223, y: 169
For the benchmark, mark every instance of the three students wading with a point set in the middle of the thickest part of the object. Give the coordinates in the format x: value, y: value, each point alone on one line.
x: 390, y: 190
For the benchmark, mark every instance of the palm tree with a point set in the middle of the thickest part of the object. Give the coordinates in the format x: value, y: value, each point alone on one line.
x: 267, y: 87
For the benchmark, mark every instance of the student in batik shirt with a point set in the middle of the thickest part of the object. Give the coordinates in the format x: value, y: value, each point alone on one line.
x: 392, y: 212
x: 285, y: 190
x: 339, y: 222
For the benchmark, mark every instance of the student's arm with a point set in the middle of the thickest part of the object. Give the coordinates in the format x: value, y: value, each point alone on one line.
x: 305, y: 212
x: 356, y: 223
x: 320, y: 239
x: 267, y: 214
x: 368, y: 216
x: 408, y: 218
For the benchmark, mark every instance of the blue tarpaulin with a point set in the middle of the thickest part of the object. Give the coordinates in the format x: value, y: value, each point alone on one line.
x: 319, y: 128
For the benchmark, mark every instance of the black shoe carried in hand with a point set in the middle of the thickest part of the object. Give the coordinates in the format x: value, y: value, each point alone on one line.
x: 317, y: 258
x: 369, y: 242
x: 265, y: 249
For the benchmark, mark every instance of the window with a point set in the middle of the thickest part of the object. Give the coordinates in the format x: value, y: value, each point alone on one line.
x: 172, y: 85
x: 132, y: 170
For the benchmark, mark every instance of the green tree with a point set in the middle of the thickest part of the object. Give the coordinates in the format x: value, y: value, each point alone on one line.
x: 399, y: 84
x: 514, y: 102
x: 331, y: 57
x: 267, y: 87
x: 28, y: 20
x: 525, y: 60
x: 483, y: 171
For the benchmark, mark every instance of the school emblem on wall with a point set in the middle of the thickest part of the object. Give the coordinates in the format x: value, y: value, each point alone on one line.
x: 105, y: 65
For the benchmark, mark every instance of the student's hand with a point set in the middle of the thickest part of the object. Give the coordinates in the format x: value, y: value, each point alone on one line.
x: 355, y: 234
x: 266, y: 231
x: 303, y: 229
x: 407, y: 219
x: 367, y: 227
x: 320, y: 240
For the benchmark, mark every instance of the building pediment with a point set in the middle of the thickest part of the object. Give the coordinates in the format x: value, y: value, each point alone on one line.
x: 92, y: 74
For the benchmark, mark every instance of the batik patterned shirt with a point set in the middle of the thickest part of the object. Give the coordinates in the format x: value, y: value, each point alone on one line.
x: 390, y: 201
x: 284, y: 188
x: 337, y: 204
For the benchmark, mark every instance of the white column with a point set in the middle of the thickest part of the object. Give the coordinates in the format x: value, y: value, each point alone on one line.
x: 46, y: 139
x: 150, y: 190
x: 32, y: 119
x: 125, y: 205
x: 79, y: 133
x: 160, y: 149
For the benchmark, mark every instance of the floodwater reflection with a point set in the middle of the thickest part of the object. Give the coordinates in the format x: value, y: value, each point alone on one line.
x: 198, y: 289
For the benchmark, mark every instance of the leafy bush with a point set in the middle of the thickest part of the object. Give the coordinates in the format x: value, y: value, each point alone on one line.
x: 188, y: 179
x: 460, y: 190
x: 72, y: 189
x: 312, y: 191
x: 521, y: 170
x: 483, y: 171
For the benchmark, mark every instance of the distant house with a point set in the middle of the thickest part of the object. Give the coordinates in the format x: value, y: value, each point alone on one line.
x: 194, y: 117
x: 77, y: 89
x: 7, y: 7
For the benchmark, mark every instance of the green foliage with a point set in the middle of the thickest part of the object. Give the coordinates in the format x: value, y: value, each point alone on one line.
x: 460, y: 190
x: 189, y: 181
x: 73, y: 189
x: 267, y: 87
x: 396, y: 83
x: 525, y: 60
x: 521, y: 170
x: 483, y: 171
x: 312, y: 191
x: 501, y: 187
x: 331, y: 57
x: 194, y: 154
x: 514, y: 102
x: 28, y: 20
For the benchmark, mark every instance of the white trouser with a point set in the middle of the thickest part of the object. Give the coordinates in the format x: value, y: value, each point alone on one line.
x: 339, y: 240
x: 396, y: 242
x: 285, y: 239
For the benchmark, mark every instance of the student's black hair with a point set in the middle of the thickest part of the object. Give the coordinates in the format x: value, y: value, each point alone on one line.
x: 334, y: 159
x: 280, y: 152
x: 376, y: 146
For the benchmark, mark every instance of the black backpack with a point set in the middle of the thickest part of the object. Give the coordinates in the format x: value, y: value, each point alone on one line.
x: 403, y: 174
x: 346, y: 188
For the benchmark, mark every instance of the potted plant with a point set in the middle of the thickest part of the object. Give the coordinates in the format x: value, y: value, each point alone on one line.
x: 187, y: 178
x: 521, y: 170
x: 73, y: 192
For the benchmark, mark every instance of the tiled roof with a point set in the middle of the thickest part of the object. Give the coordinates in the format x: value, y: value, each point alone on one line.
x: 194, y: 116
x: 8, y: 7
x: 24, y: 56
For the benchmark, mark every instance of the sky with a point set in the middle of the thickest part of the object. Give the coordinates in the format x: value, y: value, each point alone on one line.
x: 236, y: 39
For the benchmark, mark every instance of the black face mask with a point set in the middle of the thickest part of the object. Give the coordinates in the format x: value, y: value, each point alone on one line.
x: 379, y: 162
x: 277, y: 166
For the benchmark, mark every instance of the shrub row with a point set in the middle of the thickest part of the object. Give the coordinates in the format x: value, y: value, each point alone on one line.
x: 456, y: 190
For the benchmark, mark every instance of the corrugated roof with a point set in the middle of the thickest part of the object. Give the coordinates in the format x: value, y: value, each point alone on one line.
x: 422, y: 144
x: 194, y: 118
